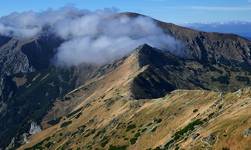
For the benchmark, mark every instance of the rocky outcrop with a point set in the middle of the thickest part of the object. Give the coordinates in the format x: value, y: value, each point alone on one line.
x: 34, y: 128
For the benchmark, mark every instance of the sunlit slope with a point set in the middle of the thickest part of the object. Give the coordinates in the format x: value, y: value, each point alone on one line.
x: 107, y: 113
x: 188, y: 119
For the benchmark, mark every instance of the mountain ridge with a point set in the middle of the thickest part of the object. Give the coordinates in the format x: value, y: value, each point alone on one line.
x: 214, y: 61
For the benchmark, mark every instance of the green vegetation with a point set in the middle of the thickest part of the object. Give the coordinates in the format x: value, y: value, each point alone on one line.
x: 158, y: 120
x: 179, y: 134
x: 130, y: 127
x: 82, y: 128
x: 135, y: 138
x: 49, y: 144
x: 54, y: 121
x: 39, y: 146
x: 210, y: 116
x: 189, y: 127
x: 100, y: 132
x: 124, y: 147
x: 243, y: 79
x: 222, y: 79
x: 73, y: 113
x: 104, y: 141
x: 65, y: 124
x: 154, y: 129
x: 149, y: 124
x: 89, y: 132
x: 143, y: 130
x: 195, y: 110
x: 103, y: 144
x: 78, y: 115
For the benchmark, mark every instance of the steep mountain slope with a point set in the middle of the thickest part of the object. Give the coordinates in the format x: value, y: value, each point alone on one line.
x: 29, y: 84
x: 206, y: 46
x: 109, y: 112
x: 182, y: 119
x: 32, y: 90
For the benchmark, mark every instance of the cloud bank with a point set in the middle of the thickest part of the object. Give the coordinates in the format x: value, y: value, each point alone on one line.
x: 90, y: 36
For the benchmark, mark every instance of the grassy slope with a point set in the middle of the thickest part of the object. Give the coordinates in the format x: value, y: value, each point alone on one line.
x: 107, y: 117
x: 185, y: 119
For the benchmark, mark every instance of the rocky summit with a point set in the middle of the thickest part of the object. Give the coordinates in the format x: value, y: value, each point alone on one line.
x: 150, y: 99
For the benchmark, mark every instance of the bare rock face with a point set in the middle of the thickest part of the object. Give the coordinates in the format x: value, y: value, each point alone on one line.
x: 27, y: 55
x: 12, y: 60
x: 34, y: 128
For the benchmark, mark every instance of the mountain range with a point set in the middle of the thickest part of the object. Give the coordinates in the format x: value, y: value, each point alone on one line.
x: 149, y: 99
x: 241, y: 28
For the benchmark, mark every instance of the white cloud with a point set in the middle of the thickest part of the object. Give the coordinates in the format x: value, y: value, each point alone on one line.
x: 90, y: 37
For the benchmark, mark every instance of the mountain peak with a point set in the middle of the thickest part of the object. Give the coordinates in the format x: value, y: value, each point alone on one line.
x: 147, y: 55
x: 143, y: 48
x: 145, y: 45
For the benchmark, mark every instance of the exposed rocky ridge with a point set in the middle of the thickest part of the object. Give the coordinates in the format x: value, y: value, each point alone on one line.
x: 205, y: 46
x: 212, y: 61
x: 149, y: 73
x: 166, y: 72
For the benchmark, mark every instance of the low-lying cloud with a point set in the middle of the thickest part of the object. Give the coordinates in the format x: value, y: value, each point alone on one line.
x: 90, y: 36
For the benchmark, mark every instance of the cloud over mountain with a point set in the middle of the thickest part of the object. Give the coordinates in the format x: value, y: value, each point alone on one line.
x: 90, y: 36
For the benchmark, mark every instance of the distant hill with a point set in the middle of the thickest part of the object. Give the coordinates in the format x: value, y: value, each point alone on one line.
x: 236, y: 27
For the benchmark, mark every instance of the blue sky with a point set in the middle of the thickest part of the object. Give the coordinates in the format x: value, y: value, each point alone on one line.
x: 176, y: 11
